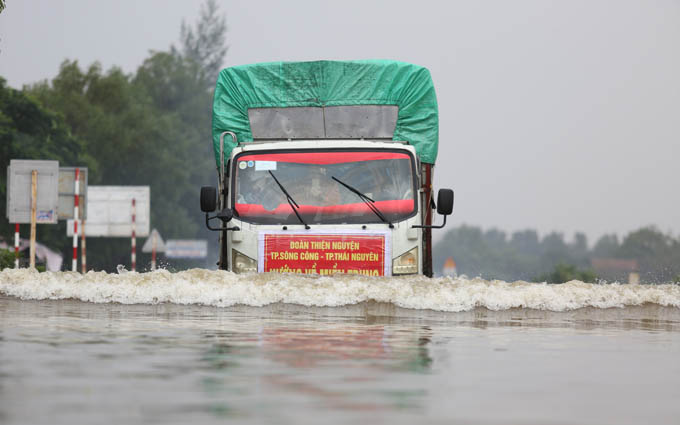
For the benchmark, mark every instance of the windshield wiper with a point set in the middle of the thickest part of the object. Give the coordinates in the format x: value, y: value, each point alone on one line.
x: 370, y: 202
x: 293, y: 205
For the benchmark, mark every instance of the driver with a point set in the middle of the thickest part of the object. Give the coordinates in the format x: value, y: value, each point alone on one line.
x: 322, y: 190
x: 385, y: 188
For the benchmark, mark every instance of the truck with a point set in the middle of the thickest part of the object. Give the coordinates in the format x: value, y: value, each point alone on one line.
x: 325, y: 167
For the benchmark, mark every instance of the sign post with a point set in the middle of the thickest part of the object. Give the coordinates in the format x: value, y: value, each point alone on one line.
x: 154, y: 244
x: 34, y: 209
x: 31, y: 198
x: 76, y: 201
x: 83, y: 256
x: 134, y: 238
x: 73, y: 203
x: 16, y: 245
x: 153, y: 252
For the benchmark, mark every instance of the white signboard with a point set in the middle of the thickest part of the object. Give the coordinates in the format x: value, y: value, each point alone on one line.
x: 186, y: 248
x: 67, y: 177
x: 109, y: 211
x: 19, y: 190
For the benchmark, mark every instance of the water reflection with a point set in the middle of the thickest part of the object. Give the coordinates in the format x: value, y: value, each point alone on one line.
x: 338, y: 367
x: 72, y: 362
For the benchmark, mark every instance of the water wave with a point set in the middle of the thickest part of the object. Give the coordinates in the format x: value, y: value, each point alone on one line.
x: 224, y: 289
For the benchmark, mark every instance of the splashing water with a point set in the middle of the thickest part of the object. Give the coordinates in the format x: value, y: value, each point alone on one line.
x: 223, y: 289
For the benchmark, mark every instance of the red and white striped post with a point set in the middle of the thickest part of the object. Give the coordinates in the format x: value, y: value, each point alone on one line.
x: 76, y: 202
x: 134, y: 237
x: 16, y: 245
x: 153, y: 250
x: 83, y: 256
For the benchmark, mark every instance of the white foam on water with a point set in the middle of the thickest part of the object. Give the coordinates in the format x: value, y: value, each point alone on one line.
x: 223, y: 289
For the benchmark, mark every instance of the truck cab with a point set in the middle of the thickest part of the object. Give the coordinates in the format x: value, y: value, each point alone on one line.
x: 320, y: 189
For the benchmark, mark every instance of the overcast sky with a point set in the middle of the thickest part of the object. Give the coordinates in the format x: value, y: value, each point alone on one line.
x: 557, y: 116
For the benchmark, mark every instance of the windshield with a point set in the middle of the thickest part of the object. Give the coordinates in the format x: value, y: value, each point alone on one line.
x: 311, y: 180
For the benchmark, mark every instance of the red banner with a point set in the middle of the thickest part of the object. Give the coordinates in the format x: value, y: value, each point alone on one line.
x: 324, y: 254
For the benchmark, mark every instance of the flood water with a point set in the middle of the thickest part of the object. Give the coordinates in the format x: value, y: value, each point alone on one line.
x: 213, y: 347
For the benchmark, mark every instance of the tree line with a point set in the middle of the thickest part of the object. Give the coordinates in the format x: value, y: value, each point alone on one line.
x: 150, y: 127
x: 523, y: 255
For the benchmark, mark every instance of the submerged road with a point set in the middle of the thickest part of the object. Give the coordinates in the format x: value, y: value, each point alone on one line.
x: 66, y: 361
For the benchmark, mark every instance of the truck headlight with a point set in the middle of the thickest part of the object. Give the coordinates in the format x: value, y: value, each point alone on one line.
x: 406, y: 263
x: 241, y: 263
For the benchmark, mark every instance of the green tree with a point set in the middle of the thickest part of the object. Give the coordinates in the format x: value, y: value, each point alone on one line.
x: 526, y: 241
x: 29, y: 130
x: 606, y: 247
x: 495, y: 237
x: 579, y: 254
x: 134, y: 143
x: 6, y: 259
x: 490, y: 255
x: 658, y: 254
x: 150, y: 128
x: 487, y: 254
x: 553, y: 249
x: 174, y: 88
x: 205, y: 42
x: 566, y: 272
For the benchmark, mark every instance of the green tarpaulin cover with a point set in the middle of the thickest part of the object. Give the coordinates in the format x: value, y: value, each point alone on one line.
x: 328, y: 83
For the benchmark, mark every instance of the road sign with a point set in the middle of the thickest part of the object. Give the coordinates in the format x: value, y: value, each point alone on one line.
x: 19, y: 191
x: 66, y: 192
x: 186, y: 248
x: 110, y: 211
x: 148, y: 245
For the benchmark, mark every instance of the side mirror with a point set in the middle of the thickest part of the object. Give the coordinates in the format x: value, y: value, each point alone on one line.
x: 445, y: 202
x: 209, y: 199
x: 225, y: 215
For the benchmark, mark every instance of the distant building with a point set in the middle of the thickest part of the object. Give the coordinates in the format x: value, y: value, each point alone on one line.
x: 616, y: 269
x: 449, y: 268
